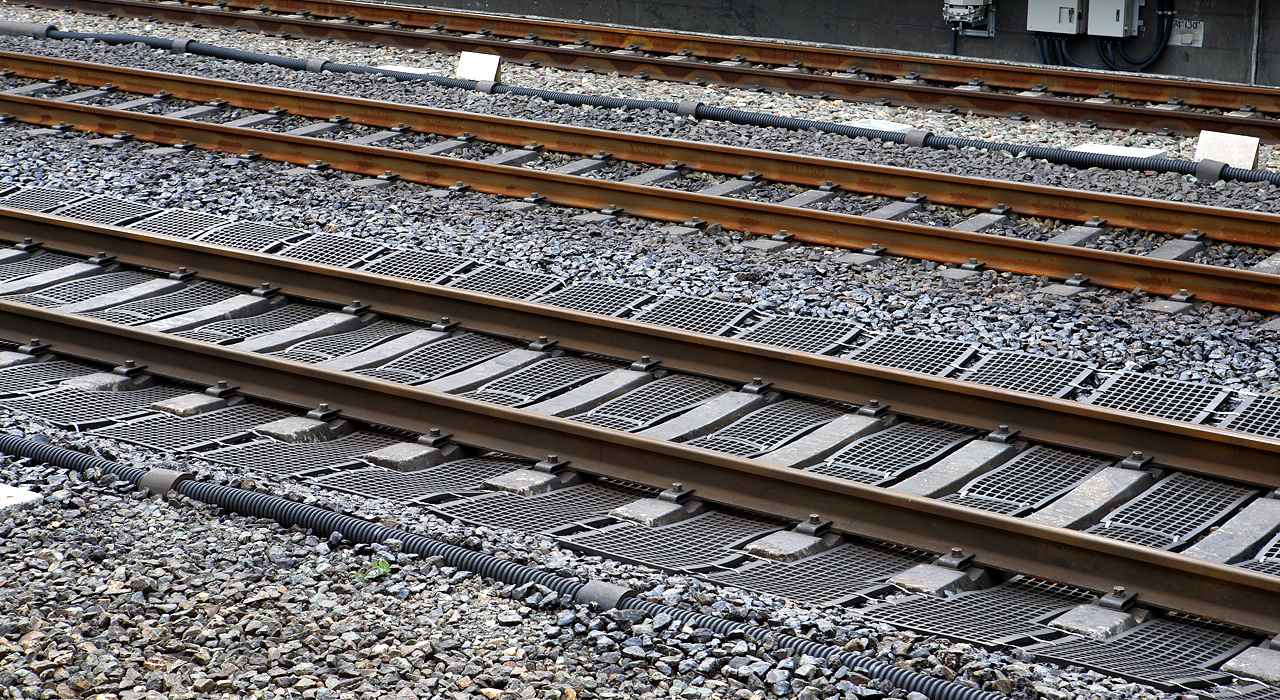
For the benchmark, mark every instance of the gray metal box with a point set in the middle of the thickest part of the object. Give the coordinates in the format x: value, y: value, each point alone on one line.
x: 1114, y: 18
x: 1056, y: 16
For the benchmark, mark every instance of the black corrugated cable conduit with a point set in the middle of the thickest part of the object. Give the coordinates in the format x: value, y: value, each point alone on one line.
x: 323, y: 523
x: 1077, y: 159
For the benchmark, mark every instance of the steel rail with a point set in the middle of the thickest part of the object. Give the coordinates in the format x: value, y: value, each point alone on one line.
x: 1231, y: 594
x: 1114, y: 116
x: 1229, y: 225
x: 1191, y: 447
x: 1229, y: 286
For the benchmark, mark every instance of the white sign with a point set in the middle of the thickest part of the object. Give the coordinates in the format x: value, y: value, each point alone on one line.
x: 1187, y: 32
x: 479, y: 66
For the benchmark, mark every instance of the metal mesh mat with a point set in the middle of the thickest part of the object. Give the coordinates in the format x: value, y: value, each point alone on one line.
x: 82, y: 289
x: 541, y: 380
x: 653, y: 403
x: 768, y: 428
x: 1030, y: 373
x: 440, y: 358
x: 1174, y: 512
x: 598, y: 298
x: 916, y: 353
x: 1259, y: 415
x: 1268, y: 560
x: 250, y: 235
x: 817, y: 335
x: 189, y: 298
x: 1029, y: 481
x: 1013, y: 611
x: 458, y: 475
x: 418, y: 266
x: 506, y: 282
x: 703, y: 541
x: 1157, y: 396
x: 236, y: 329
x: 696, y: 314
x: 68, y: 407
x: 828, y: 578
x: 180, y: 223
x: 547, y: 511
x: 34, y: 265
x: 328, y: 347
x: 39, y: 376
x: 338, y: 251
x: 41, y: 199
x: 108, y: 210
x: 293, y: 459
x: 1168, y: 652
x: 883, y: 457
x: 165, y: 431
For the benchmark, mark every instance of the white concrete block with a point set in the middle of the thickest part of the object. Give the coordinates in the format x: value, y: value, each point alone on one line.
x: 13, y: 498
x: 1232, y: 149
x: 479, y: 66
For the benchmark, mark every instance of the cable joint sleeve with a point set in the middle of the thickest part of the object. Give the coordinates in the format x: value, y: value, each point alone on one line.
x: 37, y: 30
x: 917, y: 137
x: 485, y: 86
x: 688, y: 108
x: 315, y: 65
x: 180, y: 45
x: 162, y: 481
x: 1209, y: 170
x: 602, y: 595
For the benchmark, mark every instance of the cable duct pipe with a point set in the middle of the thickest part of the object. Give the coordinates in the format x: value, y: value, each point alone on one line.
x: 1076, y: 159
x: 323, y: 523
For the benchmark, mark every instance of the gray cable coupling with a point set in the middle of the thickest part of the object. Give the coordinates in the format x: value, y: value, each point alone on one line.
x: 315, y: 65
x: 32, y: 29
x: 1209, y: 170
x: 180, y: 45
x: 162, y: 481
x: 916, y: 137
x: 688, y: 108
x: 602, y: 595
x: 485, y: 86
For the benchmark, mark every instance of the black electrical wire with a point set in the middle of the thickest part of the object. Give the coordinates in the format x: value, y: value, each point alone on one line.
x: 1105, y: 53
x: 1044, y: 58
x: 1062, y: 49
x: 955, y: 39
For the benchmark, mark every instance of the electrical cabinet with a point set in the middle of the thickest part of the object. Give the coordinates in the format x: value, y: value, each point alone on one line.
x: 1113, y: 18
x: 1056, y: 16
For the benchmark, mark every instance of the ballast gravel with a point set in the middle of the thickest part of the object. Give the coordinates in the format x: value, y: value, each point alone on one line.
x: 1000, y: 311
x: 112, y: 595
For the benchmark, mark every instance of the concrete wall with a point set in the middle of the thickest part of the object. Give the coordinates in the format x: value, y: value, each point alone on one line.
x: 916, y: 25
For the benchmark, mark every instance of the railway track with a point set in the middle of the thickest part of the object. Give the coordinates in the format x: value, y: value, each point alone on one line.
x: 653, y: 162
x: 1111, y: 100
x: 299, y: 354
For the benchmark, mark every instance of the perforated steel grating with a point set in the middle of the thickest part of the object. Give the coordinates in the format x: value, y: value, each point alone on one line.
x: 236, y: 329
x: 1157, y: 396
x: 817, y: 335
x: 768, y: 428
x: 34, y: 265
x: 696, y: 314
x: 916, y: 353
x: 440, y: 358
x: 1168, y: 652
x: 1037, y: 375
x: 333, y: 250
x: 1259, y: 415
x: 108, y: 210
x: 458, y: 475
x: 829, y: 578
x: 68, y: 407
x: 418, y: 266
x: 330, y: 346
x: 82, y: 289
x: 703, y: 541
x: 250, y: 235
x: 546, y: 511
x: 541, y: 380
x: 653, y: 403
x: 1011, y: 612
x: 1174, y: 512
x: 1029, y: 481
x: 165, y: 431
x: 1267, y: 560
x: 506, y: 282
x: 180, y: 223
x: 189, y: 298
x: 39, y: 376
x: 294, y: 459
x: 42, y: 199
x: 598, y: 298
x: 884, y: 457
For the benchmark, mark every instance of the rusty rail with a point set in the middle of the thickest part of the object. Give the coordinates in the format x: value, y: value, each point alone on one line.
x: 1228, y: 225
x: 834, y: 85
x: 1237, y: 596
x: 1217, y: 284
